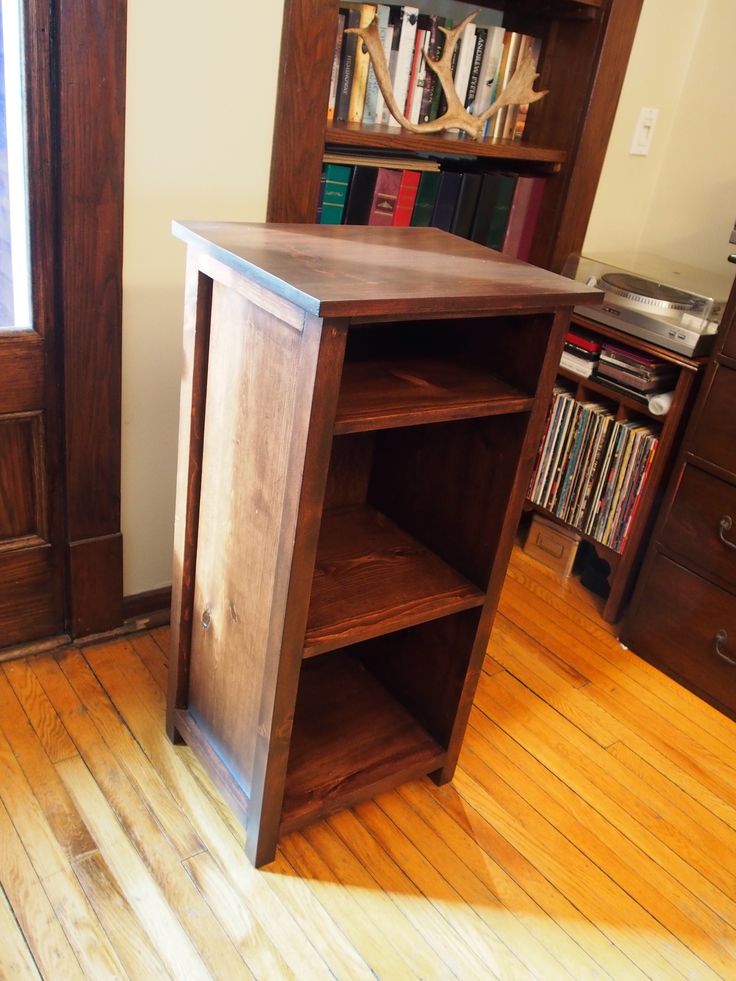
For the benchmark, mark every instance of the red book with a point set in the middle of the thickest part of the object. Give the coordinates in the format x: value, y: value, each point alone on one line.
x: 517, y: 216
x: 406, y: 197
x: 530, y: 218
x: 385, y: 196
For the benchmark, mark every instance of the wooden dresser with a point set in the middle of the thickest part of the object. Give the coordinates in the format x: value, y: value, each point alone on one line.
x: 361, y: 407
x: 683, y: 613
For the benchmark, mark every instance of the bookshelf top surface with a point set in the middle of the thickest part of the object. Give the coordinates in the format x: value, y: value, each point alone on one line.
x: 359, y: 270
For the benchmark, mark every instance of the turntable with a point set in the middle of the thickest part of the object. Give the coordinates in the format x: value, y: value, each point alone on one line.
x: 675, y: 306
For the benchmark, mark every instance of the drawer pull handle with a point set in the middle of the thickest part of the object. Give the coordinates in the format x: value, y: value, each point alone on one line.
x: 722, y: 638
x: 725, y: 525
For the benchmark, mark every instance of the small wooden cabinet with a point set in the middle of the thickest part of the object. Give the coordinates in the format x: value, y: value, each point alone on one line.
x: 624, y: 565
x: 683, y: 613
x: 360, y: 412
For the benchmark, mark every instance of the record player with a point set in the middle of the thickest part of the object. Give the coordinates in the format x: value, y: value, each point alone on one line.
x: 670, y: 304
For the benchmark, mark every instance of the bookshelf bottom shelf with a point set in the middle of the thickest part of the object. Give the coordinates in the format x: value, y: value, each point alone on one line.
x: 350, y: 741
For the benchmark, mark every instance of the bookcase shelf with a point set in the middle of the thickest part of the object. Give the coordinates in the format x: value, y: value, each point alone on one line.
x: 340, y: 554
x: 382, y: 394
x: 371, y: 578
x: 626, y: 404
x: 380, y: 137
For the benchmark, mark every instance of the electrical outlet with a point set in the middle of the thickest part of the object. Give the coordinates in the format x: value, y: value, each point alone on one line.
x: 641, y: 142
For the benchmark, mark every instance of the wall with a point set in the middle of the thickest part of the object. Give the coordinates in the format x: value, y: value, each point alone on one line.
x: 201, y: 89
x: 680, y: 201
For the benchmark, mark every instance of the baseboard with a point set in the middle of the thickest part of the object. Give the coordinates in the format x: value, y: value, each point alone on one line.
x: 152, y: 602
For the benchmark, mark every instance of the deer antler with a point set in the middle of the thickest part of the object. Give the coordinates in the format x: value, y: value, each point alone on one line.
x: 519, y: 90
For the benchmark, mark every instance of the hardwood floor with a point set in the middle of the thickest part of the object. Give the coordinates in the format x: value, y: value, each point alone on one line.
x: 589, y: 832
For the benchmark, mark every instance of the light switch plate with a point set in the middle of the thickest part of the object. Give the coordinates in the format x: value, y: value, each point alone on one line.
x: 641, y: 142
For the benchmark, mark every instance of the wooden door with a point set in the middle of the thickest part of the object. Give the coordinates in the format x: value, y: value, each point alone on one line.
x: 60, y: 542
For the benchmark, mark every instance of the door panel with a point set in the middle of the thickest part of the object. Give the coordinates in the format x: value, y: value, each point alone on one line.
x: 23, y: 506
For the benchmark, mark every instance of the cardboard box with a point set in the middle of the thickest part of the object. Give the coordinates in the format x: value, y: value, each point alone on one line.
x: 552, y: 545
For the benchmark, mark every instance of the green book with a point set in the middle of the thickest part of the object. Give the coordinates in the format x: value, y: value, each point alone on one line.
x: 429, y: 183
x: 501, y: 209
x: 337, y: 181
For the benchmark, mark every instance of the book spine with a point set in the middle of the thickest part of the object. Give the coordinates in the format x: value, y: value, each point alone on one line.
x: 406, y: 197
x: 464, y: 61
x: 425, y: 200
x: 416, y: 75
x: 373, y: 106
x: 430, y: 79
x: 335, y: 67
x: 361, y: 64
x: 347, y: 60
x: 385, y: 196
x: 337, y: 181
x: 517, y: 216
x: 404, y: 56
x: 481, y: 34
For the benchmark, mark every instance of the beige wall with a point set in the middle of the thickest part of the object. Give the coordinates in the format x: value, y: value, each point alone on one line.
x: 199, y: 122
x: 680, y: 201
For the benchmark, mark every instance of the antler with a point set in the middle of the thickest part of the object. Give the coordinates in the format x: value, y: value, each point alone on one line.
x: 519, y: 90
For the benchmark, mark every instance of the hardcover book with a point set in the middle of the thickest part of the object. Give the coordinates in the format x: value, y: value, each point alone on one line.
x: 383, y: 206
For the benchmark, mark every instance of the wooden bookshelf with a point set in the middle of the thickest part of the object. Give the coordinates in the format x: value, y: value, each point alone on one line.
x: 624, y: 565
x: 585, y: 48
x: 340, y: 555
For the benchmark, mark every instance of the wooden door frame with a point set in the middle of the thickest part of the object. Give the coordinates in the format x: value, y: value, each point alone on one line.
x: 75, y: 55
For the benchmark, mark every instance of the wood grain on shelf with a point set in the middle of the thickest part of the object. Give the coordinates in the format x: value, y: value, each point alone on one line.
x: 381, y: 394
x: 372, y: 578
x: 382, y: 137
x: 350, y: 739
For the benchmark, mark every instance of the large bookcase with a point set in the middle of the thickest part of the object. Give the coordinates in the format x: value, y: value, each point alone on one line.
x: 586, y: 45
x: 355, y: 447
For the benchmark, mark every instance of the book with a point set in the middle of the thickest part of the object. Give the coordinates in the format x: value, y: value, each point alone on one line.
x: 406, y: 197
x: 360, y: 195
x: 511, y: 43
x: 529, y: 224
x: 361, y: 64
x: 484, y: 210
x: 394, y: 32
x: 488, y: 70
x: 347, y: 65
x: 512, y: 112
x: 404, y: 55
x: 431, y: 82
x: 447, y: 195
x: 418, y: 70
x: 580, y: 339
x: 465, y: 50
x: 386, y: 192
x: 429, y: 183
x: 467, y: 202
x: 481, y: 34
x: 373, y: 105
x: 337, y: 180
x: 501, y: 208
x: 335, y: 66
x: 517, y: 216
x: 522, y: 111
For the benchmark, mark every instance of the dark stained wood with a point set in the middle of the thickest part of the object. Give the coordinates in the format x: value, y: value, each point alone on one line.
x: 383, y: 137
x: 350, y: 741
x: 91, y: 175
x: 688, y: 572
x: 195, y: 344
x: 695, y: 527
x: 377, y: 395
x: 23, y: 503
x: 22, y: 372
x: 678, y: 629
x: 31, y: 603
x: 137, y: 605
x: 95, y: 569
x: 273, y: 574
x: 343, y: 270
x: 371, y: 578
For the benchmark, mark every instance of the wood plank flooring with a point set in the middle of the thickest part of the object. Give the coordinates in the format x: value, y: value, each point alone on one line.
x: 589, y: 832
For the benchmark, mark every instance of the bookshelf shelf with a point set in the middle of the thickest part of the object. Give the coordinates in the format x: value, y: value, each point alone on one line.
x: 350, y: 740
x: 587, y: 385
x: 384, y: 394
x: 371, y: 578
x: 380, y: 137
x: 336, y: 586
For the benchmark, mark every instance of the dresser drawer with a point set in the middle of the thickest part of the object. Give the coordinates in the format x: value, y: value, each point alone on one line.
x: 713, y: 438
x: 701, y: 525
x: 681, y: 622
